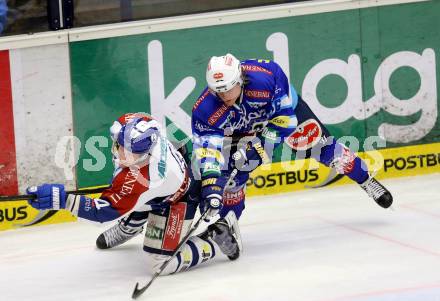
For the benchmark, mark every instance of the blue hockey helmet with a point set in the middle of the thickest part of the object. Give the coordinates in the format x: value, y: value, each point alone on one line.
x: 139, y: 135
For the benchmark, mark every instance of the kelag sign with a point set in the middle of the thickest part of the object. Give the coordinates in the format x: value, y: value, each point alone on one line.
x: 368, y: 72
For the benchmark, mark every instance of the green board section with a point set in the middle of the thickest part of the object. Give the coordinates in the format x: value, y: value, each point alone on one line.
x: 368, y: 72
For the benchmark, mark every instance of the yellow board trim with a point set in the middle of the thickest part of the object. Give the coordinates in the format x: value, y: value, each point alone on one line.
x: 279, y: 177
x: 282, y: 177
x: 17, y: 214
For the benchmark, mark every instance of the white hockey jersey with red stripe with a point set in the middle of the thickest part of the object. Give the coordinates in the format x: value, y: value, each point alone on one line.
x: 165, y: 179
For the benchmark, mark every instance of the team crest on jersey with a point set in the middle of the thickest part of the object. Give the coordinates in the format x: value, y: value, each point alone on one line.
x: 306, y: 136
x: 246, y: 119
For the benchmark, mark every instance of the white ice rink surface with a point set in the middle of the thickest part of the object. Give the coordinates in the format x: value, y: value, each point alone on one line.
x: 329, y: 244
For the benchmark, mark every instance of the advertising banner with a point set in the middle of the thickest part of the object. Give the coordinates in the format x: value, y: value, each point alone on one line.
x: 14, y: 215
x: 288, y: 176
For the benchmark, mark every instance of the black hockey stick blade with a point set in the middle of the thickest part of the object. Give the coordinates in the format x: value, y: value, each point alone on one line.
x: 139, y: 291
x: 24, y: 197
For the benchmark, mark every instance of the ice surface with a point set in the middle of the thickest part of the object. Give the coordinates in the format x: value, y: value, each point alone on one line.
x: 328, y: 244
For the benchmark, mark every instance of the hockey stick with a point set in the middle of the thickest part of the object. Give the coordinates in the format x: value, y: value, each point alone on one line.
x: 24, y: 197
x: 139, y: 291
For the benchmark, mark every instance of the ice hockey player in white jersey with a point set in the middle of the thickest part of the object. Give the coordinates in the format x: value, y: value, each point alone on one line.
x: 152, y: 187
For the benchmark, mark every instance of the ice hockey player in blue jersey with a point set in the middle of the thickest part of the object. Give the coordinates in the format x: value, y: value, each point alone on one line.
x: 152, y: 189
x: 248, y: 109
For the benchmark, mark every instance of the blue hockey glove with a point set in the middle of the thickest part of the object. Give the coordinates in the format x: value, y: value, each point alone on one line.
x: 49, y: 196
x: 251, y: 156
x: 212, y: 196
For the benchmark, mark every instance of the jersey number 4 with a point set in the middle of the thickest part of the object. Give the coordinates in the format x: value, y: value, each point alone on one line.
x: 101, y: 203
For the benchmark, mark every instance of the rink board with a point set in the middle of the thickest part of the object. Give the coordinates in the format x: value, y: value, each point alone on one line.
x: 360, y: 75
x: 366, y: 68
x: 276, y: 178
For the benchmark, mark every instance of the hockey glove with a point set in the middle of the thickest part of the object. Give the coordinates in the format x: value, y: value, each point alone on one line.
x: 212, y: 196
x: 251, y: 156
x: 49, y: 196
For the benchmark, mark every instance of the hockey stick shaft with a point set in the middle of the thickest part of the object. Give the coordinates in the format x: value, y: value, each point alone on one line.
x: 9, y: 198
x: 139, y: 291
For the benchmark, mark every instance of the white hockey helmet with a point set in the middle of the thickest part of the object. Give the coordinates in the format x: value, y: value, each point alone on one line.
x: 223, y: 73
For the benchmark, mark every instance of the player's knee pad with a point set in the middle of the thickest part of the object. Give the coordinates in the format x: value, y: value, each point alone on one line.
x: 164, y: 230
x: 194, y: 252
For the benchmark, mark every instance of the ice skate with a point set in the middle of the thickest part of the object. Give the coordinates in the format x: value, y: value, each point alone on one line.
x: 378, y: 192
x: 116, y: 235
x: 225, y: 233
